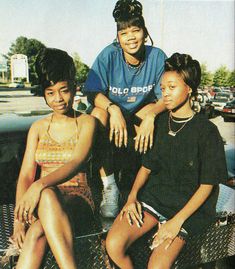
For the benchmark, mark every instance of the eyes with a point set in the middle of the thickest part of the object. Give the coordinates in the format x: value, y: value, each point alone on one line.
x: 63, y: 91
x: 170, y: 87
x: 126, y: 32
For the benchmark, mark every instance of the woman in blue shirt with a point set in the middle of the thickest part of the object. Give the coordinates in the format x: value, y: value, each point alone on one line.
x: 123, y: 87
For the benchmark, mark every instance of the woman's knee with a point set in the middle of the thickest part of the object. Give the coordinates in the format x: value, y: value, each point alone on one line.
x: 115, y: 245
x: 48, y: 197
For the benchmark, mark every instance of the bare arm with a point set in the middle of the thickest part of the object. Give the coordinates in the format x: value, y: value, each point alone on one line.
x: 28, y: 167
x: 132, y: 208
x: 144, y: 136
x: 194, y: 203
x: 25, y: 180
x: 141, y: 178
x: 118, y: 129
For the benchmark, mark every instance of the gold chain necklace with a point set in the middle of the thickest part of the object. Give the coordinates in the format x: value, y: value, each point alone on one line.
x: 174, y: 133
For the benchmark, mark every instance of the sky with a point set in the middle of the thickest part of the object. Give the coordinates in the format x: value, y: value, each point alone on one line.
x: 203, y: 29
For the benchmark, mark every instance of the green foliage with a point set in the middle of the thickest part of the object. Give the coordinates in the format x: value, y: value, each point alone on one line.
x: 221, y: 77
x: 29, y: 47
x: 81, y: 68
x: 231, y: 79
x: 206, y: 76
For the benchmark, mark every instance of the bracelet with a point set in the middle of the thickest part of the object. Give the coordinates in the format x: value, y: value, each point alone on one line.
x: 108, y: 106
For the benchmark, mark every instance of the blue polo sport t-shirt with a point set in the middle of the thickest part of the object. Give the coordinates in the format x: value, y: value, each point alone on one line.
x: 127, y: 86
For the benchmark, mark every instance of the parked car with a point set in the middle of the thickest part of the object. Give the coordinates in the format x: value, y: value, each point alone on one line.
x: 16, y: 85
x: 219, y: 101
x: 13, y: 133
x: 228, y: 111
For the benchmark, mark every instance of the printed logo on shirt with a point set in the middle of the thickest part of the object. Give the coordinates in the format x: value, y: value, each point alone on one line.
x: 131, y: 99
x: 131, y: 91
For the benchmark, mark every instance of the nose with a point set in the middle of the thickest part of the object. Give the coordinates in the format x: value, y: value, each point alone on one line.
x: 130, y: 36
x: 165, y: 92
x: 58, y: 96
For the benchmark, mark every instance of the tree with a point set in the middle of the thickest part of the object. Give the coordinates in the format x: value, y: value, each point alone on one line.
x: 221, y: 77
x: 206, y: 76
x: 231, y: 79
x: 29, y: 47
x: 81, y: 68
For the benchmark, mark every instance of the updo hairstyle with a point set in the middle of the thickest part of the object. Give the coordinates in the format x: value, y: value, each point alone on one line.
x: 54, y: 65
x: 128, y: 13
x: 187, y: 68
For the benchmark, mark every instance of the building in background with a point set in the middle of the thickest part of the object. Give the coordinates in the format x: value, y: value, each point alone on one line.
x: 3, y: 69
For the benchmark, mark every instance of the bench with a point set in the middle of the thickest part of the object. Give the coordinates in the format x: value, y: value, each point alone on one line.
x: 217, y: 242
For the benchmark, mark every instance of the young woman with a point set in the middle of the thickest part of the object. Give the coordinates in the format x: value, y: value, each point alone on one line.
x: 49, y: 210
x: 176, y: 188
x: 123, y: 86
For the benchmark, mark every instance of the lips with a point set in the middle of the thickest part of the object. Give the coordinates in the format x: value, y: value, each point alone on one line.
x: 60, y: 107
x: 132, y: 45
x: 166, y: 102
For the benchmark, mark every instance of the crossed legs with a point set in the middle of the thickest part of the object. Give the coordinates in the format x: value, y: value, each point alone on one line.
x: 122, y: 235
x: 53, y: 227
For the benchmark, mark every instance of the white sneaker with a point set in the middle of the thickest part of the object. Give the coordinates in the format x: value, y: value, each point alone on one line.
x: 109, y: 204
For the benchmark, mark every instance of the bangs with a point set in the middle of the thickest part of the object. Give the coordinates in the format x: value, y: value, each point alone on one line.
x: 136, y: 21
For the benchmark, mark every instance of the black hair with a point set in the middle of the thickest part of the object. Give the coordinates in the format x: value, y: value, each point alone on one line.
x: 187, y: 68
x: 54, y: 65
x: 128, y: 13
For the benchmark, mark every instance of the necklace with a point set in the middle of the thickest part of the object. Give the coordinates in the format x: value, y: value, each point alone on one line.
x: 174, y: 133
x: 181, y: 121
x: 136, y: 68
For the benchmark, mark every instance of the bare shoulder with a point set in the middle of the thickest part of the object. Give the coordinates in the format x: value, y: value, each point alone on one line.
x: 40, y: 125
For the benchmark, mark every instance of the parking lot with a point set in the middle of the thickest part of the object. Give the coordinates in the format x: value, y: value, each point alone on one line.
x: 21, y: 101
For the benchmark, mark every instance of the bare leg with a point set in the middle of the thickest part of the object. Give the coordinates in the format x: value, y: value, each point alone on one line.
x: 162, y: 258
x: 33, y: 248
x: 122, y: 235
x: 57, y: 228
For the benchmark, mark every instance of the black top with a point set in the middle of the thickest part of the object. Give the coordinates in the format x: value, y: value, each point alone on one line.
x: 179, y: 164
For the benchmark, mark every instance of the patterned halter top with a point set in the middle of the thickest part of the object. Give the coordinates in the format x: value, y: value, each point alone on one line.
x: 53, y: 154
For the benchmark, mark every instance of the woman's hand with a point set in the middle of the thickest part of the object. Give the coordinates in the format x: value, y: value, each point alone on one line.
x: 118, y: 130
x: 27, y: 204
x: 18, y: 236
x: 144, y: 136
x: 167, y: 232
x: 133, y: 212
